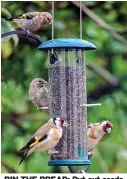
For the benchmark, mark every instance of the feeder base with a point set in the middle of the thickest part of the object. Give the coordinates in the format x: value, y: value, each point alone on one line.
x: 68, y: 162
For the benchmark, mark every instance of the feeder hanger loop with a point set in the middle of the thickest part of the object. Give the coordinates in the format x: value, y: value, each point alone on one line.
x: 53, y: 20
x: 80, y: 20
x: 53, y: 56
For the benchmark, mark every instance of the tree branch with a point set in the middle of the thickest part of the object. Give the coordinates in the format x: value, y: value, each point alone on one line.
x: 100, y: 22
x: 106, y: 89
x: 108, y: 77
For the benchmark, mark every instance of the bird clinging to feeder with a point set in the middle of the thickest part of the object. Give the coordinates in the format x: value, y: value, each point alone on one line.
x: 95, y: 132
x: 32, y: 21
x: 38, y: 93
x: 46, y: 137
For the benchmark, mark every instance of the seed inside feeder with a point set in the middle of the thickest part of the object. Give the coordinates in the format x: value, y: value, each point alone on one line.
x: 67, y: 95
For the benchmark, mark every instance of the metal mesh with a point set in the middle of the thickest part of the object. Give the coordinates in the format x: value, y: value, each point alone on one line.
x: 67, y: 95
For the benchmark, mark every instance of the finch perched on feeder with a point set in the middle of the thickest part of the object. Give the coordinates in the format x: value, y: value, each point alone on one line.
x: 38, y: 93
x: 32, y: 21
x: 95, y: 132
x: 46, y: 138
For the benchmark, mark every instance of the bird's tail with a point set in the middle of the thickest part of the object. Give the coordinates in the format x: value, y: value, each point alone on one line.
x: 12, y: 18
x: 9, y: 19
x: 25, y: 152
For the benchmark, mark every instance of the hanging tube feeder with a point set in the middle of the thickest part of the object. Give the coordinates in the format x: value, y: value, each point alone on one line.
x: 67, y: 97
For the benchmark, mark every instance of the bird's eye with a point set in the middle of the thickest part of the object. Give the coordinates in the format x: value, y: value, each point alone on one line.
x: 40, y: 81
x: 108, y: 125
x: 48, y: 19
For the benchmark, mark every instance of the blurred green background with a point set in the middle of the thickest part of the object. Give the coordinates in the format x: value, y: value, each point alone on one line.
x: 105, y: 25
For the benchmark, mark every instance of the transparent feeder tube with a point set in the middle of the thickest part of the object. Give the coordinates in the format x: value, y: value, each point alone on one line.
x: 67, y: 94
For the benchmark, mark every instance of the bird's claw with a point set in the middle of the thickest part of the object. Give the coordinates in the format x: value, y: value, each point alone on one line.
x: 28, y: 33
x: 90, y: 154
x: 37, y: 35
x: 53, y: 151
x: 80, y: 171
x: 39, y: 108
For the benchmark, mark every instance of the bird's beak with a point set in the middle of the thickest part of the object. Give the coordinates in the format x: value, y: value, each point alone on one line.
x: 42, y: 84
x: 109, y: 130
x: 51, y: 22
x: 65, y: 124
x: 45, y: 84
x: 109, y: 127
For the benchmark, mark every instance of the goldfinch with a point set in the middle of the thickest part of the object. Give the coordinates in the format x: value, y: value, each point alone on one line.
x: 46, y: 138
x: 95, y: 133
x: 38, y: 93
x: 32, y: 21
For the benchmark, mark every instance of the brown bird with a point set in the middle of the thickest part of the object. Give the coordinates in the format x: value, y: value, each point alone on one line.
x: 46, y: 137
x: 38, y: 93
x: 95, y: 132
x: 32, y: 21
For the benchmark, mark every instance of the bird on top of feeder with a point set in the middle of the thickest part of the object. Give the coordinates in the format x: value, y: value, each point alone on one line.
x: 38, y: 93
x: 32, y: 21
x: 95, y: 133
x: 46, y: 137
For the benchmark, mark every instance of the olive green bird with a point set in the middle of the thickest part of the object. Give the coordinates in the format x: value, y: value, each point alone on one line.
x: 32, y: 21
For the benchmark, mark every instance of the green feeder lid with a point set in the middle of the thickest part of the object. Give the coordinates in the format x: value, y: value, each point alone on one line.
x: 67, y: 43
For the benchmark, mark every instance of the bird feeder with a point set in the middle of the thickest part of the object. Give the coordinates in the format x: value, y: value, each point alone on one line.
x: 68, y: 98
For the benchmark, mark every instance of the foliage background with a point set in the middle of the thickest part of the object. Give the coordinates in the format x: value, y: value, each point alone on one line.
x: 21, y: 62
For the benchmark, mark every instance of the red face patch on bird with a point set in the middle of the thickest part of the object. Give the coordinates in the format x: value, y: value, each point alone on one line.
x: 49, y: 20
x: 63, y: 123
x: 107, y: 127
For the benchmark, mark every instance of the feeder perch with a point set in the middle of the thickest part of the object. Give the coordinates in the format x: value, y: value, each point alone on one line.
x: 67, y: 96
